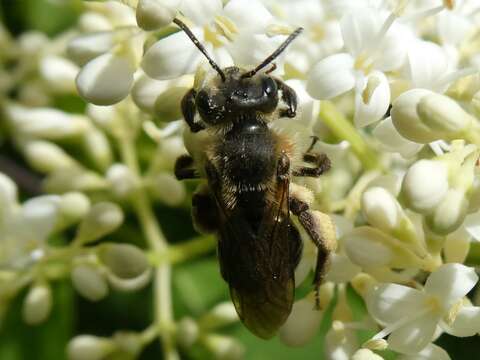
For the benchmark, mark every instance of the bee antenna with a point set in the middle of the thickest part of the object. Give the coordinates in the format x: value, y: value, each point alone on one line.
x: 275, y: 54
x: 200, y: 47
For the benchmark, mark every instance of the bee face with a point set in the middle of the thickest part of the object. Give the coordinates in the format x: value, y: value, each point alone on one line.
x: 236, y: 95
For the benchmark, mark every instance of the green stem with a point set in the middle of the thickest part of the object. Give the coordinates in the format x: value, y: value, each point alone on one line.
x: 157, y: 242
x: 343, y: 129
x: 183, y: 252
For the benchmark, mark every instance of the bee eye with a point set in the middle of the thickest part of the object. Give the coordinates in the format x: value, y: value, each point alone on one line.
x: 211, y: 109
x: 269, y: 86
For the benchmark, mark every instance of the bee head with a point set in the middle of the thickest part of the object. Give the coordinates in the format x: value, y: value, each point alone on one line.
x: 224, y: 100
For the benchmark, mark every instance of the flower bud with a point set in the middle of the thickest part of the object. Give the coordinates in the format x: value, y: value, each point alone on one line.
x: 59, y: 73
x: 449, y: 213
x: 8, y: 195
x: 123, y: 260
x: 104, y: 117
x: 123, y: 181
x: 155, y: 14
x: 46, y: 157
x: 98, y: 148
x: 46, y: 123
x: 168, y: 189
x: 221, y: 315
x: 89, y: 282
x: 129, y: 344
x: 425, y: 184
x: 407, y: 120
x: 381, y: 209
x: 87, y: 347
x: 187, y: 332
x: 38, y: 304
x: 302, y: 324
x: 74, y: 179
x: 73, y: 206
x: 105, y: 80
x: 146, y: 90
x: 167, y: 105
x: 224, y: 347
x: 102, y: 219
x: 366, y: 354
x: 129, y: 284
x: 443, y: 115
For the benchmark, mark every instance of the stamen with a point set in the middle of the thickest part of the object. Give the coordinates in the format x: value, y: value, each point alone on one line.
x: 453, y: 76
x: 422, y: 14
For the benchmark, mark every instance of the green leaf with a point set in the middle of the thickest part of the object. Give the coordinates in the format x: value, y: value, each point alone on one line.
x: 51, y: 17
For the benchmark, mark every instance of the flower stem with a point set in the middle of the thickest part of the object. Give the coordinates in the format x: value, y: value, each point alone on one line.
x: 343, y: 129
x: 157, y: 242
x: 183, y: 252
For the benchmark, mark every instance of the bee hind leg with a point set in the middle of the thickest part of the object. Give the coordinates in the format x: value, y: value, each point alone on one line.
x: 320, y: 161
x: 311, y: 222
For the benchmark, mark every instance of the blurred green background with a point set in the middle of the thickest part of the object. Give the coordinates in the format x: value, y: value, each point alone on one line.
x: 197, y: 285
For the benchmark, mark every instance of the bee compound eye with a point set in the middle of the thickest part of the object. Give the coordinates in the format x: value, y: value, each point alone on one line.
x: 210, y: 108
x: 269, y: 86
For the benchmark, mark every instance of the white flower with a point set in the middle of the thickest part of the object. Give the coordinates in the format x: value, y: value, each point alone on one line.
x: 431, y: 352
x: 410, y: 316
x: 231, y: 34
x: 374, y: 45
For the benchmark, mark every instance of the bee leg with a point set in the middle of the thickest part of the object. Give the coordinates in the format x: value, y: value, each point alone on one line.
x: 320, y: 161
x: 204, y: 211
x: 289, y: 97
x: 189, y: 109
x: 184, y: 168
x: 312, y: 226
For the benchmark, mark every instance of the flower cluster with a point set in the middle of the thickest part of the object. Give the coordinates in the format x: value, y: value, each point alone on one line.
x: 390, y: 88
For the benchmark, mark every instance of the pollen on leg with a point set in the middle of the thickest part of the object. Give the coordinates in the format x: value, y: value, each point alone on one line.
x: 301, y: 193
x: 326, y: 228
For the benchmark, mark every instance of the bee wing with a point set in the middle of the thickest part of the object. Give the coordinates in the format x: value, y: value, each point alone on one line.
x: 262, y: 279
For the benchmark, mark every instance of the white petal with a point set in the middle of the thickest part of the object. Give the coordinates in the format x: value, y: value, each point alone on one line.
x: 251, y: 49
x: 415, y: 336
x: 472, y: 225
x: 331, y: 76
x: 249, y: 15
x: 8, y: 195
x: 452, y: 27
x: 341, y: 269
x: 428, y: 65
x: 359, y: 28
x: 467, y: 322
x: 372, y: 102
x: 392, y: 141
x: 146, y: 90
x: 393, y: 49
x: 431, y: 352
x: 381, y: 209
x: 84, y: 48
x: 451, y: 282
x: 201, y: 12
x: 172, y: 56
x: 389, y: 303
x: 302, y: 324
x: 105, y: 80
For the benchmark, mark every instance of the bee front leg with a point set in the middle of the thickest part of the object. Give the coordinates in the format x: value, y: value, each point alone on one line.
x: 311, y: 222
x: 184, y: 168
x: 189, y: 109
x: 320, y: 161
x: 289, y: 97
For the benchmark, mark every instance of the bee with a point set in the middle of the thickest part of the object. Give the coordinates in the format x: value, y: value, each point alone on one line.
x: 248, y: 197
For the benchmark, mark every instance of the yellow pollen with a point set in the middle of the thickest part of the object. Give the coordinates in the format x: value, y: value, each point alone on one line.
x: 363, y: 63
x: 449, y: 4
x: 225, y: 27
x: 372, y: 84
x: 434, y: 304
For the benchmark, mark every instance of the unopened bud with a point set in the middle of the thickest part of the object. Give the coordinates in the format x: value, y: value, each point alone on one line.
x: 86, y: 47
x: 302, y: 324
x: 366, y: 354
x: 74, y: 205
x: 376, y: 344
x: 168, y: 189
x: 224, y: 347
x: 425, y: 184
x: 221, y: 315
x: 167, y: 105
x: 123, y: 260
x: 59, y: 73
x: 38, y: 304
x: 381, y: 209
x: 146, y: 90
x: 87, y: 347
x: 123, y: 181
x: 187, y: 332
x: 98, y: 148
x: 443, y: 115
x: 46, y: 157
x: 449, y: 213
x: 155, y: 14
x: 74, y: 179
x: 106, y: 79
x: 102, y: 219
x: 129, y: 344
x: 89, y: 282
